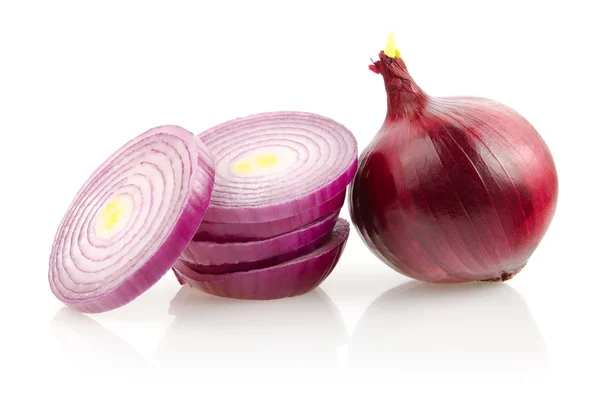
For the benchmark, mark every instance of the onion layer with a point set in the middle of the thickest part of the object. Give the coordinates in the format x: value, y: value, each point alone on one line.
x: 218, y: 258
x: 272, y: 166
x: 291, y: 278
x: 131, y: 220
x: 242, y: 232
x: 452, y: 189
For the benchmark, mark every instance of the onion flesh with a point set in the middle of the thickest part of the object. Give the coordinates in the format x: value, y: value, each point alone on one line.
x: 272, y: 166
x: 290, y: 278
x: 217, y: 258
x: 131, y: 220
x: 452, y: 189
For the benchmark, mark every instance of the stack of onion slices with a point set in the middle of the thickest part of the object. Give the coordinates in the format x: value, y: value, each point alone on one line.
x: 248, y: 209
x: 272, y: 228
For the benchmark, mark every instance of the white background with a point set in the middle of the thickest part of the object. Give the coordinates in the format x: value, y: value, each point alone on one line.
x: 78, y: 80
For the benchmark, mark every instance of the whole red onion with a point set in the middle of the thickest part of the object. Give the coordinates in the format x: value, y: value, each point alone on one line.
x: 452, y: 189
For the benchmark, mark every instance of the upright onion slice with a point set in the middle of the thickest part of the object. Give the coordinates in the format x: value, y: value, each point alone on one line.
x: 291, y: 278
x: 242, y: 232
x: 271, y: 166
x: 131, y: 220
x: 218, y: 258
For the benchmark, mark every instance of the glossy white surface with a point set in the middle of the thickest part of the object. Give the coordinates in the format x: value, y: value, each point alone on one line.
x: 77, y: 81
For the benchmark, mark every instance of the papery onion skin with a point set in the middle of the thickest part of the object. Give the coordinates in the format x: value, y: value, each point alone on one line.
x: 219, y: 258
x: 453, y: 189
x: 243, y: 232
x: 166, y: 174
x: 291, y: 278
x: 326, y: 161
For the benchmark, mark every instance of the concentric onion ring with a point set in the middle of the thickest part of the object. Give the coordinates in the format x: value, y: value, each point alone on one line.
x: 271, y: 166
x: 131, y: 220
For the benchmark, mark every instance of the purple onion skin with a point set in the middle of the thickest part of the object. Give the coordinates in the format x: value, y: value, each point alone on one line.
x: 260, y: 264
x: 217, y: 258
x: 291, y: 278
x: 453, y: 189
x: 243, y: 232
x: 268, y: 262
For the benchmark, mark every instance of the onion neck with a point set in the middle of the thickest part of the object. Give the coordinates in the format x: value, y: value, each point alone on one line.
x: 405, y: 99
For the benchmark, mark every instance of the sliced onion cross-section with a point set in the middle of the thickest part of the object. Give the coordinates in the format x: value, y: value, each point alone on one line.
x: 272, y: 166
x: 131, y: 220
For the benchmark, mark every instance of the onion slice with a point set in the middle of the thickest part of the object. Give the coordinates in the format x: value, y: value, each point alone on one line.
x: 131, y: 220
x: 218, y: 258
x: 271, y: 166
x: 291, y: 278
x: 242, y: 232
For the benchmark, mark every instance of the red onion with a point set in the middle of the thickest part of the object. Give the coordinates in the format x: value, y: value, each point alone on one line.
x: 242, y: 232
x: 218, y: 258
x: 290, y: 278
x: 451, y: 189
x: 131, y: 220
x: 271, y: 166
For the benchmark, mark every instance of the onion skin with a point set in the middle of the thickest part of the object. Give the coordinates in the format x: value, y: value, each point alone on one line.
x: 219, y: 258
x: 453, y: 189
x: 291, y: 278
x: 243, y: 232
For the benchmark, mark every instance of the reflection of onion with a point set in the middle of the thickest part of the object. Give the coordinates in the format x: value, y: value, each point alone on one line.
x: 92, y: 347
x: 459, y: 332
x: 213, y: 336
